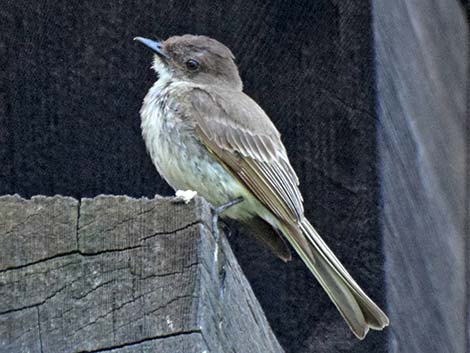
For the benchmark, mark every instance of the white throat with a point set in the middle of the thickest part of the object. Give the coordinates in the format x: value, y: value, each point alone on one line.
x: 164, y: 73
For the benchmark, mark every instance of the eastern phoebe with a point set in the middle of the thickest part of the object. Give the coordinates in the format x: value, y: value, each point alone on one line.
x: 204, y: 134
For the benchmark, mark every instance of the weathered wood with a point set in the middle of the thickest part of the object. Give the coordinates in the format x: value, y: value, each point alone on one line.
x: 134, y: 275
x: 36, y: 230
x: 423, y: 87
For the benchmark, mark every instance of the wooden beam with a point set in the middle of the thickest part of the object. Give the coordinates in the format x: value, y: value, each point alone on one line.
x: 116, y: 274
x: 423, y: 85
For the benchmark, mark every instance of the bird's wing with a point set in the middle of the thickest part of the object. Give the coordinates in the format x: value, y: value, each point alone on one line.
x: 240, y: 134
x: 234, y: 128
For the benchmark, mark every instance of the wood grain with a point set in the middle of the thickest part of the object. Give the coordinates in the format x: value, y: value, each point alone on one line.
x: 138, y: 275
x: 423, y: 86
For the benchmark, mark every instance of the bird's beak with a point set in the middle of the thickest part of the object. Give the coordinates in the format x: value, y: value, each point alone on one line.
x: 156, y: 46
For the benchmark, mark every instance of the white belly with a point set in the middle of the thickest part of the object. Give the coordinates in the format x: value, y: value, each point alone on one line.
x: 183, y: 161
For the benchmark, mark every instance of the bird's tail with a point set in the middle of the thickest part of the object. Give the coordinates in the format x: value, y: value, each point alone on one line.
x: 359, y: 311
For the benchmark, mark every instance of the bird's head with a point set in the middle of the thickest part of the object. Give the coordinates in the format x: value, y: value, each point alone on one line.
x: 197, y: 59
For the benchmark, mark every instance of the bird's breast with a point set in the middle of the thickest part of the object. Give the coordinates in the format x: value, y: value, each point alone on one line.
x: 164, y: 133
x: 177, y: 153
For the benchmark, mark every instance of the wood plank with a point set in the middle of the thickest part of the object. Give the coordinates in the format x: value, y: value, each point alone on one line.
x: 423, y: 86
x: 145, y: 274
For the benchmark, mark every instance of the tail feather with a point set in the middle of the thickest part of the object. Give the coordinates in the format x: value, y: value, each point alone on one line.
x: 359, y: 311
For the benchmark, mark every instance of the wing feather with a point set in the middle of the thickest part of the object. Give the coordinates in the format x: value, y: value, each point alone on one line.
x: 242, y: 136
x: 238, y: 132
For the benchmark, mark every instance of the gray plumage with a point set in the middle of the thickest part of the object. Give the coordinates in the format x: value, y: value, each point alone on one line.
x: 203, y: 133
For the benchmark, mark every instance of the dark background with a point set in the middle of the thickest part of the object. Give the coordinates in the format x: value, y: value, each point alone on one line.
x: 71, y: 88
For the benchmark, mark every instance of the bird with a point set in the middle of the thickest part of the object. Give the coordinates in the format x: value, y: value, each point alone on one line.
x: 206, y: 136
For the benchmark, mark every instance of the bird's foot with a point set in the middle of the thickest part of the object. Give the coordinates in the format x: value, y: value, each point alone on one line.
x: 218, y: 210
x: 184, y: 196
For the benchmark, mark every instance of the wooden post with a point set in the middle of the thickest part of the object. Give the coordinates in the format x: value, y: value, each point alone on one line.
x: 122, y: 275
x: 423, y: 86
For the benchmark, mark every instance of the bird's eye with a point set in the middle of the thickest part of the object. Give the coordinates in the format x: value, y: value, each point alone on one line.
x: 192, y: 65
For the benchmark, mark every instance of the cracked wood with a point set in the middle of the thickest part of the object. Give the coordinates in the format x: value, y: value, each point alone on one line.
x: 116, y: 274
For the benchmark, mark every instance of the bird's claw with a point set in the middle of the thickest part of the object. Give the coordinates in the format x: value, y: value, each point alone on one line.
x: 218, y: 210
